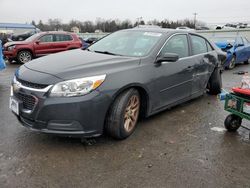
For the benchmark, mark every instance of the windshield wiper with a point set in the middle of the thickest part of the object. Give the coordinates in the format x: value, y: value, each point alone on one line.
x: 106, y: 52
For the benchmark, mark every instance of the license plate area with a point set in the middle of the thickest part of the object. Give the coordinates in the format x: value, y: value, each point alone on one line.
x: 14, y: 105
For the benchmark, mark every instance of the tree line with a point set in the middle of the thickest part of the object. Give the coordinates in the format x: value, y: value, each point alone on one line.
x: 107, y: 25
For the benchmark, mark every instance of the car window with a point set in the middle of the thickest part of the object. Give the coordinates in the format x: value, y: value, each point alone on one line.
x: 178, y: 44
x: 239, y: 40
x: 209, y: 47
x: 62, y: 37
x: 46, y: 38
x: 199, y: 45
x: 245, y: 40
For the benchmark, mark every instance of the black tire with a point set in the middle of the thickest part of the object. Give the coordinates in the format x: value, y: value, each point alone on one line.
x: 246, y: 62
x: 232, y: 63
x: 232, y: 122
x: 215, y: 82
x: 115, y: 121
x: 24, y: 56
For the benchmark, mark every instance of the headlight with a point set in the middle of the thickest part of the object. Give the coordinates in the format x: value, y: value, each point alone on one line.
x: 10, y: 48
x: 77, y: 87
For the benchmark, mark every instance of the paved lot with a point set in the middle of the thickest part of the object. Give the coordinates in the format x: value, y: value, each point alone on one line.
x: 175, y: 148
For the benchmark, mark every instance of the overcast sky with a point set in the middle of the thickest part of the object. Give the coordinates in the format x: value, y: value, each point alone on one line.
x: 210, y: 11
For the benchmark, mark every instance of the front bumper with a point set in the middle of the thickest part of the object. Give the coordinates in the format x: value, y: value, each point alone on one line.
x: 9, y: 54
x: 70, y: 116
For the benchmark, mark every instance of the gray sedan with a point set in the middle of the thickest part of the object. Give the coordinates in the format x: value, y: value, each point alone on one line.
x: 106, y: 88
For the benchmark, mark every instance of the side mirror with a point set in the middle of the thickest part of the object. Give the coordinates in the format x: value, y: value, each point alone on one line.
x: 170, y: 57
x: 38, y: 42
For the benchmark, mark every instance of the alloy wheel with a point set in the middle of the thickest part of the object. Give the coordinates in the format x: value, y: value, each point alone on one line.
x: 131, y: 113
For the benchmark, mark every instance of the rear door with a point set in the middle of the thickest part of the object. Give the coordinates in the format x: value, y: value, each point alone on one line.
x: 174, y: 79
x: 62, y: 42
x: 44, y: 45
x: 205, y: 60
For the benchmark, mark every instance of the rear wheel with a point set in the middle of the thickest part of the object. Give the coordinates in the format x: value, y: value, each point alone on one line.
x: 246, y: 62
x: 232, y: 63
x: 123, y: 115
x: 215, y: 82
x: 24, y: 56
x: 232, y: 122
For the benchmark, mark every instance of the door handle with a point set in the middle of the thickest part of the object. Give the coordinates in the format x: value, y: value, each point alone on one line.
x: 189, y: 68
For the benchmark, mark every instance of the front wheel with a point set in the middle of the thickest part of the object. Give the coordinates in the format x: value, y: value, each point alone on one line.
x: 123, y: 115
x: 215, y: 82
x: 24, y: 56
x: 232, y: 63
x: 232, y: 122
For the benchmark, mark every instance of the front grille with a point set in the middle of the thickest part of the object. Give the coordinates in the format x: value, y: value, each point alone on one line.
x: 28, y: 100
x: 31, y: 85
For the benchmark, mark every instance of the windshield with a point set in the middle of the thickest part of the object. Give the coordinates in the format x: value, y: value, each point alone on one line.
x: 230, y: 40
x: 127, y: 43
x: 31, y: 38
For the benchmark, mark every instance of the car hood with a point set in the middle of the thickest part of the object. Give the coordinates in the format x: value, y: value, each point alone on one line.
x: 15, y: 43
x: 78, y: 63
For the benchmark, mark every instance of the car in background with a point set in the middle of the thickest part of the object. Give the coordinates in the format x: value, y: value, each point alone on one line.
x: 185, y: 28
x: 236, y: 47
x: 85, y: 45
x: 23, y: 36
x: 41, y: 44
x: 91, y: 40
x: 125, y: 75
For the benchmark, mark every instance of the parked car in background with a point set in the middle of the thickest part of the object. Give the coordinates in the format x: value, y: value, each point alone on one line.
x: 236, y: 47
x: 23, y: 36
x: 127, y: 74
x: 91, y: 40
x: 85, y: 45
x: 185, y: 28
x: 41, y: 44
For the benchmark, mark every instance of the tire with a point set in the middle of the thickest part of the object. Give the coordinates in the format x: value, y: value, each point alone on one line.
x: 123, y: 115
x: 232, y: 63
x: 215, y: 82
x: 232, y: 122
x: 24, y: 56
x: 246, y: 62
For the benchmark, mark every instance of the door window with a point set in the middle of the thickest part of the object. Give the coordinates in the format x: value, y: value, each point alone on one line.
x: 61, y: 38
x: 209, y: 47
x: 199, y: 45
x: 178, y: 44
x: 245, y: 40
x: 240, y: 41
x: 46, y: 38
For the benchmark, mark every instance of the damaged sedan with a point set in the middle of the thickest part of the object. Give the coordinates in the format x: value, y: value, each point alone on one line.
x: 126, y: 75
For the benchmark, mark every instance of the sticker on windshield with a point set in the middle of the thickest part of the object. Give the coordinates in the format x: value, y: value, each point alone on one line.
x: 152, y: 34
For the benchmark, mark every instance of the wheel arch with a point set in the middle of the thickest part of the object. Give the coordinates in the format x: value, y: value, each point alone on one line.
x: 26, y: 49
x: 144, y: 95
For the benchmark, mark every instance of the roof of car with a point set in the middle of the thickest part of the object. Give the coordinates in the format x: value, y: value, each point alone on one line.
x: 55, y: 32
x: 161, y: 30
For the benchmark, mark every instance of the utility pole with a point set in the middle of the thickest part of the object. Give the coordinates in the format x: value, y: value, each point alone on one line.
x: 195, y: 16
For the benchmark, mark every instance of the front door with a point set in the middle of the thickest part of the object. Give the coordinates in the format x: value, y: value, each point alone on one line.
x: 44, y: 45
x: 174, y: 79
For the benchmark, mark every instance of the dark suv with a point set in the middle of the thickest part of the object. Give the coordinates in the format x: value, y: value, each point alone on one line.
x: 130, y: 73
x: 41, y: 44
